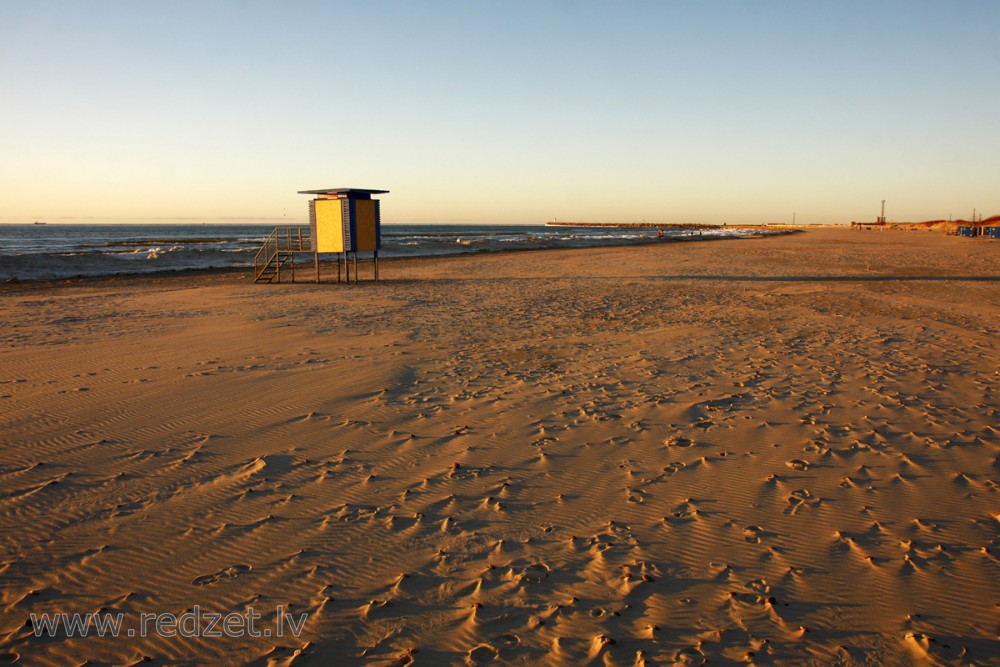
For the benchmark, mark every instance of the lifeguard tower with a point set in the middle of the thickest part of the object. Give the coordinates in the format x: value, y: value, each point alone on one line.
x: 344, y: 221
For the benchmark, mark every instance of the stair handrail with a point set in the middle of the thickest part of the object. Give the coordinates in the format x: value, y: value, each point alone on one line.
x: 293, y: 238
x: 266, y: 254
x: 283, y: 240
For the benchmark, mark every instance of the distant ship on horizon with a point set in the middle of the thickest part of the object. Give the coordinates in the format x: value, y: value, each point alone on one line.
x: 38, y: 223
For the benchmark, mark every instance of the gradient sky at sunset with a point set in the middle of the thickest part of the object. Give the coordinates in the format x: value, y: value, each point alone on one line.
x: 519, y: 112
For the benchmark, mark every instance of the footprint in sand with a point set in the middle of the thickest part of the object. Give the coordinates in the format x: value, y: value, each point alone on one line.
x: 482, y: 654
x: 635, y: 495
x: 225, y: 573
x: 682, y: 514
x: 801, y: 498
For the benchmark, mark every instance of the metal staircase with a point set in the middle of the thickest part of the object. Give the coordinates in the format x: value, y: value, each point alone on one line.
x: 278, y: 250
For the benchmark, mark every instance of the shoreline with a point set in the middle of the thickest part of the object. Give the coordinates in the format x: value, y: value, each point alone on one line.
x: 327, y: 264
x: 244, y: 275
x: 90, y: 271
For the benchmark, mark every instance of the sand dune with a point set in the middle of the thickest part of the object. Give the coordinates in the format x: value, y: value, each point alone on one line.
x: 769, y: 451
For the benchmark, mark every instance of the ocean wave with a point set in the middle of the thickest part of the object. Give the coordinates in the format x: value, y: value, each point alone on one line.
x: 51, y: 266
x: 41, y: 253
x: 164, y: 241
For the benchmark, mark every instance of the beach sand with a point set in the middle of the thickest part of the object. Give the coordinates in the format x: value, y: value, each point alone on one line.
x: 773, y: 451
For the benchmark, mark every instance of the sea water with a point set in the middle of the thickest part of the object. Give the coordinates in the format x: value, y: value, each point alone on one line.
x: 52, y: 251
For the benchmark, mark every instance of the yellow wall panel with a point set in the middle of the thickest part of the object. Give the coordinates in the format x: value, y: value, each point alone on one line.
x: 329, y: 225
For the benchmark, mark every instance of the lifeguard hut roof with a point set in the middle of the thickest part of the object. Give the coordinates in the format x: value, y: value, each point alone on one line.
x: 350, y: 193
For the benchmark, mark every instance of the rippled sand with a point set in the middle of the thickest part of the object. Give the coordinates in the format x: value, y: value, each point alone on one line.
x: 773, y: 451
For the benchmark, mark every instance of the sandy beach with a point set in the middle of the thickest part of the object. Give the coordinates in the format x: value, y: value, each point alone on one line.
x: 772, y: 451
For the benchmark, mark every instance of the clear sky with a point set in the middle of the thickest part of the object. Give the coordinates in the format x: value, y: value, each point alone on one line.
x: 504, y: 111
